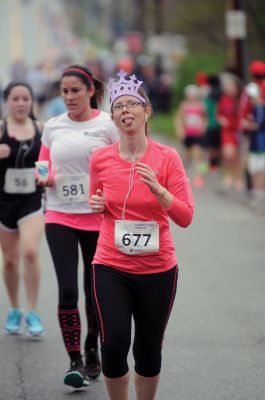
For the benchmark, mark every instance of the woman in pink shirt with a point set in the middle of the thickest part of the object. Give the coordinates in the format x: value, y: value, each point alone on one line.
x: 138, y: 185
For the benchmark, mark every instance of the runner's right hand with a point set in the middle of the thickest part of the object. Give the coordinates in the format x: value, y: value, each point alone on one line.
x: 5, y: 151
x: 49, y: 182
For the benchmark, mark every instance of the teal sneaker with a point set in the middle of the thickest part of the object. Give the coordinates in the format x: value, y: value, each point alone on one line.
x: 13, y: 322
x: 34, y: 325
x: 76, y: 376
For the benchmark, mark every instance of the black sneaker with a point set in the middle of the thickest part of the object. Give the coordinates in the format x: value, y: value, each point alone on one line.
x: 76, y: 376
x: 92, y: 363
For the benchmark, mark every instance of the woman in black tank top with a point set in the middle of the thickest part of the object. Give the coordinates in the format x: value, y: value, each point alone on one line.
x: 21, y: 219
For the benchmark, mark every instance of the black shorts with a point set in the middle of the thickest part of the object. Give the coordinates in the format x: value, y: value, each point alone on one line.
x: 12, y: 211
x: 213, y: 138
x: 190, y: 141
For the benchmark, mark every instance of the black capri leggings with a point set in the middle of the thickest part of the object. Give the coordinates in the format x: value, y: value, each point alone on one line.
x: 118, y: 297
x: 63, y: 243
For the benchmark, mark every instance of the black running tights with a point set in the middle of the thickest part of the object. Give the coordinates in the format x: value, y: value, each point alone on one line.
x: 148, y: 299
x: 63, y: 243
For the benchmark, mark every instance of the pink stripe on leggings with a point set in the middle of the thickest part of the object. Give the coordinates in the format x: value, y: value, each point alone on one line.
x: 97, y: 303
x: 171, y: 304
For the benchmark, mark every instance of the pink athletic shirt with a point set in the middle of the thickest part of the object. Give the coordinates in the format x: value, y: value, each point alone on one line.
x: 110, y: 173
x: 193, y: 115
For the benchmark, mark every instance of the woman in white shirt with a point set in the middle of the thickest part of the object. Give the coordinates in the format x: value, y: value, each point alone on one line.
x: 67, y: 143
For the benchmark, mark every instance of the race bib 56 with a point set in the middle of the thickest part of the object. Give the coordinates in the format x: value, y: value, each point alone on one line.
x: 20, y: 180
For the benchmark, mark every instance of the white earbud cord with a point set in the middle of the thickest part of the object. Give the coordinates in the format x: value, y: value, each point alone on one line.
x: 131, y: 179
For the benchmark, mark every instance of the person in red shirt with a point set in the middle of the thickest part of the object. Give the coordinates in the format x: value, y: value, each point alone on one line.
x: 228, y: 118
x: 138, y: 185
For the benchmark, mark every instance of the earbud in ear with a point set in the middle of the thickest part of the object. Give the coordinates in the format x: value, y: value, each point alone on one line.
x: 146, y: 118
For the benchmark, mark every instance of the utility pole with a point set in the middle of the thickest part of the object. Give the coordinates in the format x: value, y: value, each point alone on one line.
x: 140, y: 16
x: 236, y: 33
x: 158, y: 17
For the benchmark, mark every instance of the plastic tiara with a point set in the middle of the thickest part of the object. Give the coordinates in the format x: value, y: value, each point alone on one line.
x: 124, y: 87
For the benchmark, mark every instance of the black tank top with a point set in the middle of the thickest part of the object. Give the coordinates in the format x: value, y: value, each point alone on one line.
x: 23, y: 154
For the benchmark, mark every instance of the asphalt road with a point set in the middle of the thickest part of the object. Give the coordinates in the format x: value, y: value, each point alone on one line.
x: 215, y: 341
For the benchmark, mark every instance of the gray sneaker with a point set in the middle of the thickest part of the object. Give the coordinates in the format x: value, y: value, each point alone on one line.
x: 76, y: 376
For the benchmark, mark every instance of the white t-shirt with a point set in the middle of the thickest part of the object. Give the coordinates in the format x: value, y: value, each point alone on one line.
x: 71, y: 144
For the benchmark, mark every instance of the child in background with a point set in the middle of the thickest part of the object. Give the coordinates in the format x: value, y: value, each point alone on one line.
x: 190, y: 125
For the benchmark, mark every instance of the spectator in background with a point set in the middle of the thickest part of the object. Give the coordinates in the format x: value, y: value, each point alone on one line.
x: 126, y: 63
x: 146, y: 72
x: 39, y: 80
x: 164, y: 93
x: 55, y: 104
x: 201, y: 80
x: 213, y: 138
x: 157, y: 83
x: 18, y: 70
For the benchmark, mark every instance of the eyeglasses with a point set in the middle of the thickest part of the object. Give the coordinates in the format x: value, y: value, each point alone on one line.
x: 129, y: 104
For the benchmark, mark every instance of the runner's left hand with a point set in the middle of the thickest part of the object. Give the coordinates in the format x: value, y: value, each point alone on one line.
x: 148, y: 176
